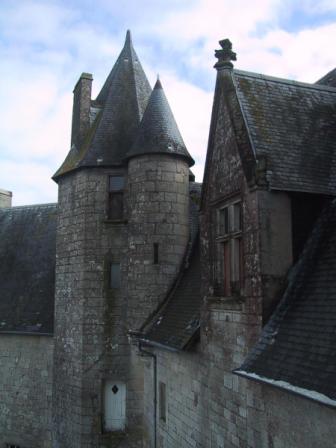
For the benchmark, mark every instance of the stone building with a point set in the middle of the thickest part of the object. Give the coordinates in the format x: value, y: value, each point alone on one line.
x: 142, y: 312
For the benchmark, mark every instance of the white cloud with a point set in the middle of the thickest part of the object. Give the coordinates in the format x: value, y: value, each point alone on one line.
x: 46, y: 45
x: 191, y: 107
x: 29, y: 182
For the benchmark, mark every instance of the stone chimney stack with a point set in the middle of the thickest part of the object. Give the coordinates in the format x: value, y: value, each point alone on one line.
x: 81, y: 109
x: 5, y: 198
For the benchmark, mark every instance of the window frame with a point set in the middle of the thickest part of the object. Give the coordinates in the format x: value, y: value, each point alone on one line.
x: 229, y: 249
x: 114, y: 193
x: 114, y: 285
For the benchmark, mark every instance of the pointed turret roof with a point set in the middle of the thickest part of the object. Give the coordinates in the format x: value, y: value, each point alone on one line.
x: 120, y: 105
x: 158, y: 132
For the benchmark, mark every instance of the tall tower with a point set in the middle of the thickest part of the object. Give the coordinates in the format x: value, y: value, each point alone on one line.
x: 158, y: 223
x: 158, y: 217
x: 91, y: 372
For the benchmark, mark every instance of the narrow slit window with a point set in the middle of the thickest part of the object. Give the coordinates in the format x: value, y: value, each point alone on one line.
x: 115, y: 276
x: 156, y: 253
x: 162, y: 402
x: 115, y: 208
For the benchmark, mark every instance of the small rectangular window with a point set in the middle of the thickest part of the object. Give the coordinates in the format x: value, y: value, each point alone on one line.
x: 117, y: 183
x: 162, y: 402
x: 115, y: 275
x: 116, y: 197
x: 156, y: 253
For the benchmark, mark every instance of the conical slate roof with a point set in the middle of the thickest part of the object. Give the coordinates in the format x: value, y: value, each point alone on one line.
x: 158, y: 132
x: 122, y: 102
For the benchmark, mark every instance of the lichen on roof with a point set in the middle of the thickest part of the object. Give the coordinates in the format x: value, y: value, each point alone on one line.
x: 123, y: 100
x: 291, y: 124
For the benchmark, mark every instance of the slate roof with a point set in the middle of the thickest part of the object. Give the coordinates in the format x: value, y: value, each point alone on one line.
x: 329, y: 79
x: 158, y: 131
x: 293, y: 125
x: 296, y: 349
x: 27, y: 268
x: 176, y: 322
x: 122, y: 100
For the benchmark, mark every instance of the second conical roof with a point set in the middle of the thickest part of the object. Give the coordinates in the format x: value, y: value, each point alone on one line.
x: 158, y: 132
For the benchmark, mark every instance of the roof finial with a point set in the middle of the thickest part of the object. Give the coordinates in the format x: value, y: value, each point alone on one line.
x: 128, y: 40
x: 158, y: 84
x: 225, y: 56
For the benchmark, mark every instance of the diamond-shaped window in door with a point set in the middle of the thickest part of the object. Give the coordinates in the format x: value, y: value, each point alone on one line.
x: 115, y: 389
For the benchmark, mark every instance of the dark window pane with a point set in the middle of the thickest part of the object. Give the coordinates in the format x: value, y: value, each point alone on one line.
x: 236, y: 218
x: 115, y: 206
x: 156, y: 253
x: 115, y: 275
x: 227, y: 268
x: 116, y: 183
x: 162, y: 401
x: 224, y: 221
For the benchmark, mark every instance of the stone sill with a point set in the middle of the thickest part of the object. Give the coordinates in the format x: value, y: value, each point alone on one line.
x: 227, y: 303
x: 115, y: 221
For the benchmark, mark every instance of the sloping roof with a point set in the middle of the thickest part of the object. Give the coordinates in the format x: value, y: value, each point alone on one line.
x: 122, y: 101
x: 158, y: 131
x: 176, y: 322
x: 296, y: 349
x: 329, y: 79
x: 292, y: 124
x: 27, y: 268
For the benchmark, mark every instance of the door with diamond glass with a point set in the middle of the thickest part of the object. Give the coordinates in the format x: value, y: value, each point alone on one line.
x: 114, y: 405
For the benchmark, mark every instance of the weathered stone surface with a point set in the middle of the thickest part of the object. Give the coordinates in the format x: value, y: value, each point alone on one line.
x: 26, y: 390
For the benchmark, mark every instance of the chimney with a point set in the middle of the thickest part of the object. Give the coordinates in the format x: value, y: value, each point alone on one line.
x: 5, y: 198
x: 81, y: 109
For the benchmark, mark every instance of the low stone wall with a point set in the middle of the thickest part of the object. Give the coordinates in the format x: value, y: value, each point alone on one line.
x: 25, y: 390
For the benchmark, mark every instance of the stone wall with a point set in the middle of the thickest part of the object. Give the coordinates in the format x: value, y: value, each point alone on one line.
x: 158, y: 213
x: 91, y: 343
x: 91, y: 319
x: 25, y: 390
x: 209, y: 406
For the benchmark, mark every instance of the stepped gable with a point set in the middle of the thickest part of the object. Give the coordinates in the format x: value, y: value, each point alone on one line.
x: 296, y: 350
x: 292, y: 127
x: 27, y: 268
x: 158, y: 132
x: 120, y: 105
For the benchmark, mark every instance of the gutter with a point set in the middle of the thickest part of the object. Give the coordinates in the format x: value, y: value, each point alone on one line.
x: 283, y: 385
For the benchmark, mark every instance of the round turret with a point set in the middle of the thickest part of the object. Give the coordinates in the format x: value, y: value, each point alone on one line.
x: 158, y: 199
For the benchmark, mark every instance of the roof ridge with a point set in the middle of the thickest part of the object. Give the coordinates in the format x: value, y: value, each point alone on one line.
x: 16, y: 207
x: 132, y: 54
x: 279, y: 80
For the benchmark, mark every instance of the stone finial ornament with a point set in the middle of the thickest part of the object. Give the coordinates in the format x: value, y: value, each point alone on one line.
x: 226, y: 55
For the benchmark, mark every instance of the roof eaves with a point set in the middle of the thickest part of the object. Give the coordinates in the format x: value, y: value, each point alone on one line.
x: 140, y: 337
x: 25, y: 333
x: 310, y: 394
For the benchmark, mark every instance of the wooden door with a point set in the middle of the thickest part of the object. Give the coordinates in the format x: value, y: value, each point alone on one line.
x: 114, y: 405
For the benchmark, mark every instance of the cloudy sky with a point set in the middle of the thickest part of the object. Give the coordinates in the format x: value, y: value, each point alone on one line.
x: 46, y: 45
